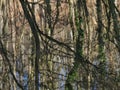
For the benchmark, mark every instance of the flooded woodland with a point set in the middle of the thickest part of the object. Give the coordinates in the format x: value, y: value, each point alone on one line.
x: 59, y: 44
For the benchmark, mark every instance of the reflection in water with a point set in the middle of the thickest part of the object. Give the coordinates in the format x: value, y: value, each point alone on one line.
x: 62, y: 78
x: 25, y: 81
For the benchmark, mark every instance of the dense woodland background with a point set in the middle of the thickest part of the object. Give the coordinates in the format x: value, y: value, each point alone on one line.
x: 59, y: 44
